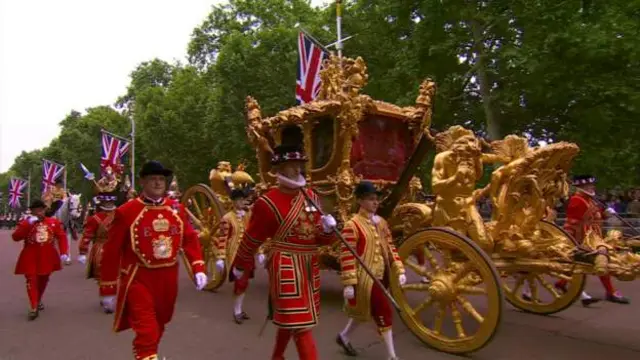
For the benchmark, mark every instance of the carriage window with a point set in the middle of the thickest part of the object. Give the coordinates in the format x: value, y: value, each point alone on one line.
x: 381, y: 149
x: 322, y: 142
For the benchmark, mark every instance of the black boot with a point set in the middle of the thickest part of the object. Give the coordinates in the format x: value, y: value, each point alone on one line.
x: 618, y: 299
x: 346, y: 346
x: 589, y: 301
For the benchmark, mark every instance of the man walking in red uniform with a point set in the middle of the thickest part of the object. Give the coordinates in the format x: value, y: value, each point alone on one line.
x: 39, y: 257
x: 584, y: 214
x: 95, y: 235
x: 296, y: 230
x: 140, y: 261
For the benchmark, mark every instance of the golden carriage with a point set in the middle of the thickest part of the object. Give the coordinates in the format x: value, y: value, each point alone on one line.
x: 459, y: 267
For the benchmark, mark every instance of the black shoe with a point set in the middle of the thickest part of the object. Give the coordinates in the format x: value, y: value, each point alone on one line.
x: 33, y: 314
x: 106, y: 309
x: 618, y: 299
x: 40, y: 307
x: 240, y: 318
x: 589, y: 301
x: 348, y: 349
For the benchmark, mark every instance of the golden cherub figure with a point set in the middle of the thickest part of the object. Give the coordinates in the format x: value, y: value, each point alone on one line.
x: 108, y: 182
x: 457, y: 168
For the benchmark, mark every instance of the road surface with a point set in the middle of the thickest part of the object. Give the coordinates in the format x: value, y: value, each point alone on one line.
x: 73, y: 327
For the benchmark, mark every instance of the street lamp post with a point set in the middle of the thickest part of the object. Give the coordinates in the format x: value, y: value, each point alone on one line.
x: 133, y: 152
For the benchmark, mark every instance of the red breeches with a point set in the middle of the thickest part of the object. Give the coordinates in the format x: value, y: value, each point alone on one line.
x: 36, y: 285
x: 147, y: 317
x: 381, y: 310
x: 240, y: 285
x: 305, y: 344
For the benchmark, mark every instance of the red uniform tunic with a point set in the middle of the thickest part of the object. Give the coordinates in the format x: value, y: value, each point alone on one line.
x: 294, y: 276
x: 140, y: 260
x: 96, y: 232
x: 39, y: 256
x: 584, y: 215
x: 374, y: 245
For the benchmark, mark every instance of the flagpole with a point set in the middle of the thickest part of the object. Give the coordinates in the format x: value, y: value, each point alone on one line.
x: 29, y: 189
x: 339, y: 28
x: 65, y: 178
x: 133, y: 152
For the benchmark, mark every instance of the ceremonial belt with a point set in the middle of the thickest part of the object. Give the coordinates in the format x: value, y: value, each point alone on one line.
x: 294, y: 248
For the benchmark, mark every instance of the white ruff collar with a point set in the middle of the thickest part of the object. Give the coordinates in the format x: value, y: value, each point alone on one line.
x: 291, y: 184
x: 240, y: 213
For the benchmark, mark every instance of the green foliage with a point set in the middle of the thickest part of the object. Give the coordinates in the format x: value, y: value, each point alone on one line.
x: 556, y: 70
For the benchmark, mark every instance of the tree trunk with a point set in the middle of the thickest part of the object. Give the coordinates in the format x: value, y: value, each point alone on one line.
x: 493, y: 124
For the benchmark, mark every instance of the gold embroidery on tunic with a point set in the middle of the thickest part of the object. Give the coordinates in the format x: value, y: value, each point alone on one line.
x: 42, y: 234
x: 162, y: 247
x: 160, y: 224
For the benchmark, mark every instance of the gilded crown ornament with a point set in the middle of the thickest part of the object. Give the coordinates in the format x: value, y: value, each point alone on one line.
x: 160, y: 224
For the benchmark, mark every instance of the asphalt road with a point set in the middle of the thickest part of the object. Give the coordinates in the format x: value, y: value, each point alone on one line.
x: 73, y: 327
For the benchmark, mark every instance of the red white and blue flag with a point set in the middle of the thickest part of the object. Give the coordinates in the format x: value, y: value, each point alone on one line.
x: 51, y: 171
x: 113, y: 149
x: 16, y: 191
x: 310, y: 57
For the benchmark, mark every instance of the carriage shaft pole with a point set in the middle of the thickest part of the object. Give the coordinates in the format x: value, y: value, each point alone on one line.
x: 356, y: 256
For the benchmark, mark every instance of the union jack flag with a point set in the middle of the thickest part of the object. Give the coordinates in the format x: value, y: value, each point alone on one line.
x: 16, y: 191
x: 113, y: 149
x: 51, y: 171
x: 310, y: 57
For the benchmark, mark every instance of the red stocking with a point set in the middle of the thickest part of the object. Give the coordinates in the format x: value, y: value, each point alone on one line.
x: 306, y: 345
x: 32, y: 291
x: 43, y: 280
x: 282, y: 340
x: 608, y: 285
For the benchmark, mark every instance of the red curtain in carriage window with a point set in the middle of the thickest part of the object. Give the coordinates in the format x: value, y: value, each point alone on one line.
x: 381, y: 149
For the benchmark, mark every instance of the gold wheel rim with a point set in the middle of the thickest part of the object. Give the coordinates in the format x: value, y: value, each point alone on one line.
x: 203, y: 205
x: 545, y: 299
x: 452, y: 282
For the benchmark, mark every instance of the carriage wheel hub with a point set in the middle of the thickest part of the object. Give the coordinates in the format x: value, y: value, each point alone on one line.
x: 442, y: 289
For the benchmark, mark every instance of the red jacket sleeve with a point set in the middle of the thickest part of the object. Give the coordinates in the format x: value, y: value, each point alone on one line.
x: 111, y: 254
x: 263, y: 224
x: 191, y: 244
x: 22, y: 231
x: 61, y: 236
x: 89, y: 233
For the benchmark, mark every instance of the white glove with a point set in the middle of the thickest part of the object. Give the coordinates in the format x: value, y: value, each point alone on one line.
x: 108, y: 302
x: 348, y: 292
x: 328, y: 223
x: 237, y: 273
x: 220, y: 265
x: 82, y: 259
x: 610, y: 211
x: 31, y: 219
x: 261, y: 258
x: 402, y: 279
x: 201, y: 280
x: 64, y: 257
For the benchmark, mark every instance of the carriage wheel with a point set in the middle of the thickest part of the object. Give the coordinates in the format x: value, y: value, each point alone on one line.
x: 543, y: 297
x: 205, y: 212
x: 457, y: 309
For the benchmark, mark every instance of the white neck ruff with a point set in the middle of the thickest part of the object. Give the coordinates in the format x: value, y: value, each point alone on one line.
x: 289, y: 183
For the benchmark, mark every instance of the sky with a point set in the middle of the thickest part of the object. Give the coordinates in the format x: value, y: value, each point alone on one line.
x: 63, y: 55
x: 60, y: 55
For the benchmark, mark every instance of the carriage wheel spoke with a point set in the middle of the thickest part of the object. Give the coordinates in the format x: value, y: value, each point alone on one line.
x: 560, y: 276
x: 415, y: 287
x: 196, y: 206
x: 471, y: 290
x: 437, y: 322
x: 533, y: 286
x: 424, y: 305
x: 457, y: 321
x: 468, y: 307
x: 548, y: 286
x: 462, y: 271
x: 519, y: 284
x: 432, y: 260
x: 419, y: 269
